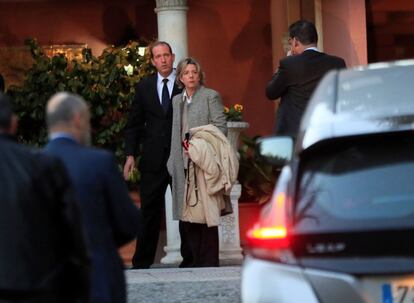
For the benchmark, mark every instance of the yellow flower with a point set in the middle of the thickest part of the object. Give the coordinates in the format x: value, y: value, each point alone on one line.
x: 238, y: 107
x: 234, y: 113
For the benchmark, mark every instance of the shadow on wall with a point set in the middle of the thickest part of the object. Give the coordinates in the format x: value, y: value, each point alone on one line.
x: 344, y: 47
x: 117, y: 25
x: 208, y: 48
x: 146, y: 20
x: 253, y: 44
x: 7, y: 37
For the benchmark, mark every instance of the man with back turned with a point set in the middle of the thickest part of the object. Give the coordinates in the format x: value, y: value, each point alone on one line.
x: 43, y: 256
x: 298, y: 75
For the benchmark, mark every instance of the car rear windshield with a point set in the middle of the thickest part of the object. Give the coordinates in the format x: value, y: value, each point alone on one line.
x: 366, y: 183
x: 376, y: 92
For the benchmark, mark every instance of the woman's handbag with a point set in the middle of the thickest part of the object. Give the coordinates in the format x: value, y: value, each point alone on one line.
x: 228, y: 208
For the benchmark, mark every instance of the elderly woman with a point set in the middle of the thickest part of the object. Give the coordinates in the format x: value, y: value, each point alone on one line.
x: 196, y: 106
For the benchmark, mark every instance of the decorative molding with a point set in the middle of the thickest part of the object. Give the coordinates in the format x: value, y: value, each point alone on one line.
x: 229, y: 234
x: 171, y: 4
x: 234, y: 128
x: 227, y: 229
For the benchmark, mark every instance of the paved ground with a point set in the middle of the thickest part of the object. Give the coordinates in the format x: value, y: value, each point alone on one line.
x: 204, y: 285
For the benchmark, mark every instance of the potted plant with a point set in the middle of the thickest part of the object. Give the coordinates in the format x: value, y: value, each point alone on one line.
x: 235, y: 123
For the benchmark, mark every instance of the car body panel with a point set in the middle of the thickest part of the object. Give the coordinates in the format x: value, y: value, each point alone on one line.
x: 266, y: 282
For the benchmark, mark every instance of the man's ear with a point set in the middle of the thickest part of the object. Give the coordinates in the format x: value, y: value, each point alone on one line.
x: 77, y: 120
x: 152, y: 62
x: 296, y: 42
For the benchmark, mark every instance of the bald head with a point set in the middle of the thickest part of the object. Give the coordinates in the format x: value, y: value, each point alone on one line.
x: 62, y: 107
x: 68, y: 113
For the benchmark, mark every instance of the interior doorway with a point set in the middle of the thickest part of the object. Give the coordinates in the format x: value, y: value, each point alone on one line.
x: 390, y: 30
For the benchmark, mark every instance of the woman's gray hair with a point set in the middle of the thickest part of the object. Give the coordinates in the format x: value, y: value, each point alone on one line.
x: 181, y: 67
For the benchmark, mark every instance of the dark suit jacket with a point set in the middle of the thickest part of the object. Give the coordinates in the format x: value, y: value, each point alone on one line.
x: 109, y: 216
x: 295, y: 81
x: 42, y: 244
x: 149, y: 125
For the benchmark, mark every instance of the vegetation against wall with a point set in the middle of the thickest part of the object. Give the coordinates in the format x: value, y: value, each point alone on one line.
x: 106, y: 83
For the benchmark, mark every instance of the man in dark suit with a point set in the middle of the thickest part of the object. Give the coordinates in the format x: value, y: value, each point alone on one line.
x: 109, y: 216
x: 149, y: 124
x: 43, y: 256
x: 298, y: 75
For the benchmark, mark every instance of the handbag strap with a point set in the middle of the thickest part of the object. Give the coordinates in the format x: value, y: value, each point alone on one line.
x: 188, y: 184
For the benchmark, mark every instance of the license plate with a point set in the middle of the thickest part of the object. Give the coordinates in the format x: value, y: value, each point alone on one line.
x: 398, y: 292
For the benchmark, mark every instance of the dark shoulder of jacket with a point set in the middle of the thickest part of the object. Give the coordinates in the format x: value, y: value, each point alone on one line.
x: 25, y: 156
x: 97, y: 155
x: 146, y: 80
x: 338, y: 60
x: 45, y: 160
x: 288, y: 60
x: 50, y: 168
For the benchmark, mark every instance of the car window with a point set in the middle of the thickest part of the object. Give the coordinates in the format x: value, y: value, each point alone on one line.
x: 363, y: 184
x: 376, y: 92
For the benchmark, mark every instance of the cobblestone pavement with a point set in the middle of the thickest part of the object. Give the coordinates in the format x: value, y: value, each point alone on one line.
x: 204, y: 285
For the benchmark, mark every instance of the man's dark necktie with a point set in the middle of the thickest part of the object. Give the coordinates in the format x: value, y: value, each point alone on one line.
x: 165, y: 98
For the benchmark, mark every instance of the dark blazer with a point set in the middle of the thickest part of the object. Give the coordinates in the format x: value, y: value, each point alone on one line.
x: 149, y: 125
x: 109, y: 216
x: 295, y: 81
x: 42, y: 245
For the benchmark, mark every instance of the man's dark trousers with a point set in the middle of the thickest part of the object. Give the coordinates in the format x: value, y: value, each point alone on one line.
x: 152, y: 191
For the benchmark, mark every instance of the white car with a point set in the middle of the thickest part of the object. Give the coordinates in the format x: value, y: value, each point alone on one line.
x: 340, y: 225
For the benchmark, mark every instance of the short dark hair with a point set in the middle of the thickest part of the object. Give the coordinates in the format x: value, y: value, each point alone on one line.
x: 304, y: 31
x: 6, y: 112
x: 158, y: 43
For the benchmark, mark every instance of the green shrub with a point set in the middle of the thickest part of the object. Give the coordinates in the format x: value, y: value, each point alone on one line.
x: 105, y: 82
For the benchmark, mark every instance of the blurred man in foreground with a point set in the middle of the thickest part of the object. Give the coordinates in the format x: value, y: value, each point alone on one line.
x: 43, y: 257
x: 109, y: 215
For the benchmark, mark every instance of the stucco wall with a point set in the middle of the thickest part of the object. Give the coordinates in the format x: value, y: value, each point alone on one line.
x: 232, y: 40
x: 96, y: 23
x: 344, y: 30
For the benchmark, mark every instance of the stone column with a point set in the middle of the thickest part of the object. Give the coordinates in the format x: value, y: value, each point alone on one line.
x: 172, y: 25
x: 172, y: 28
x: 229, y: 231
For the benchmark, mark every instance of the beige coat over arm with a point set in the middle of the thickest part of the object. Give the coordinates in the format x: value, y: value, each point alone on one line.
x: 216, y: 166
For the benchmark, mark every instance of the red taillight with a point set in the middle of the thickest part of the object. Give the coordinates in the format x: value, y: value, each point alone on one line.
x: 271, y: 232
x: 268, y: 237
